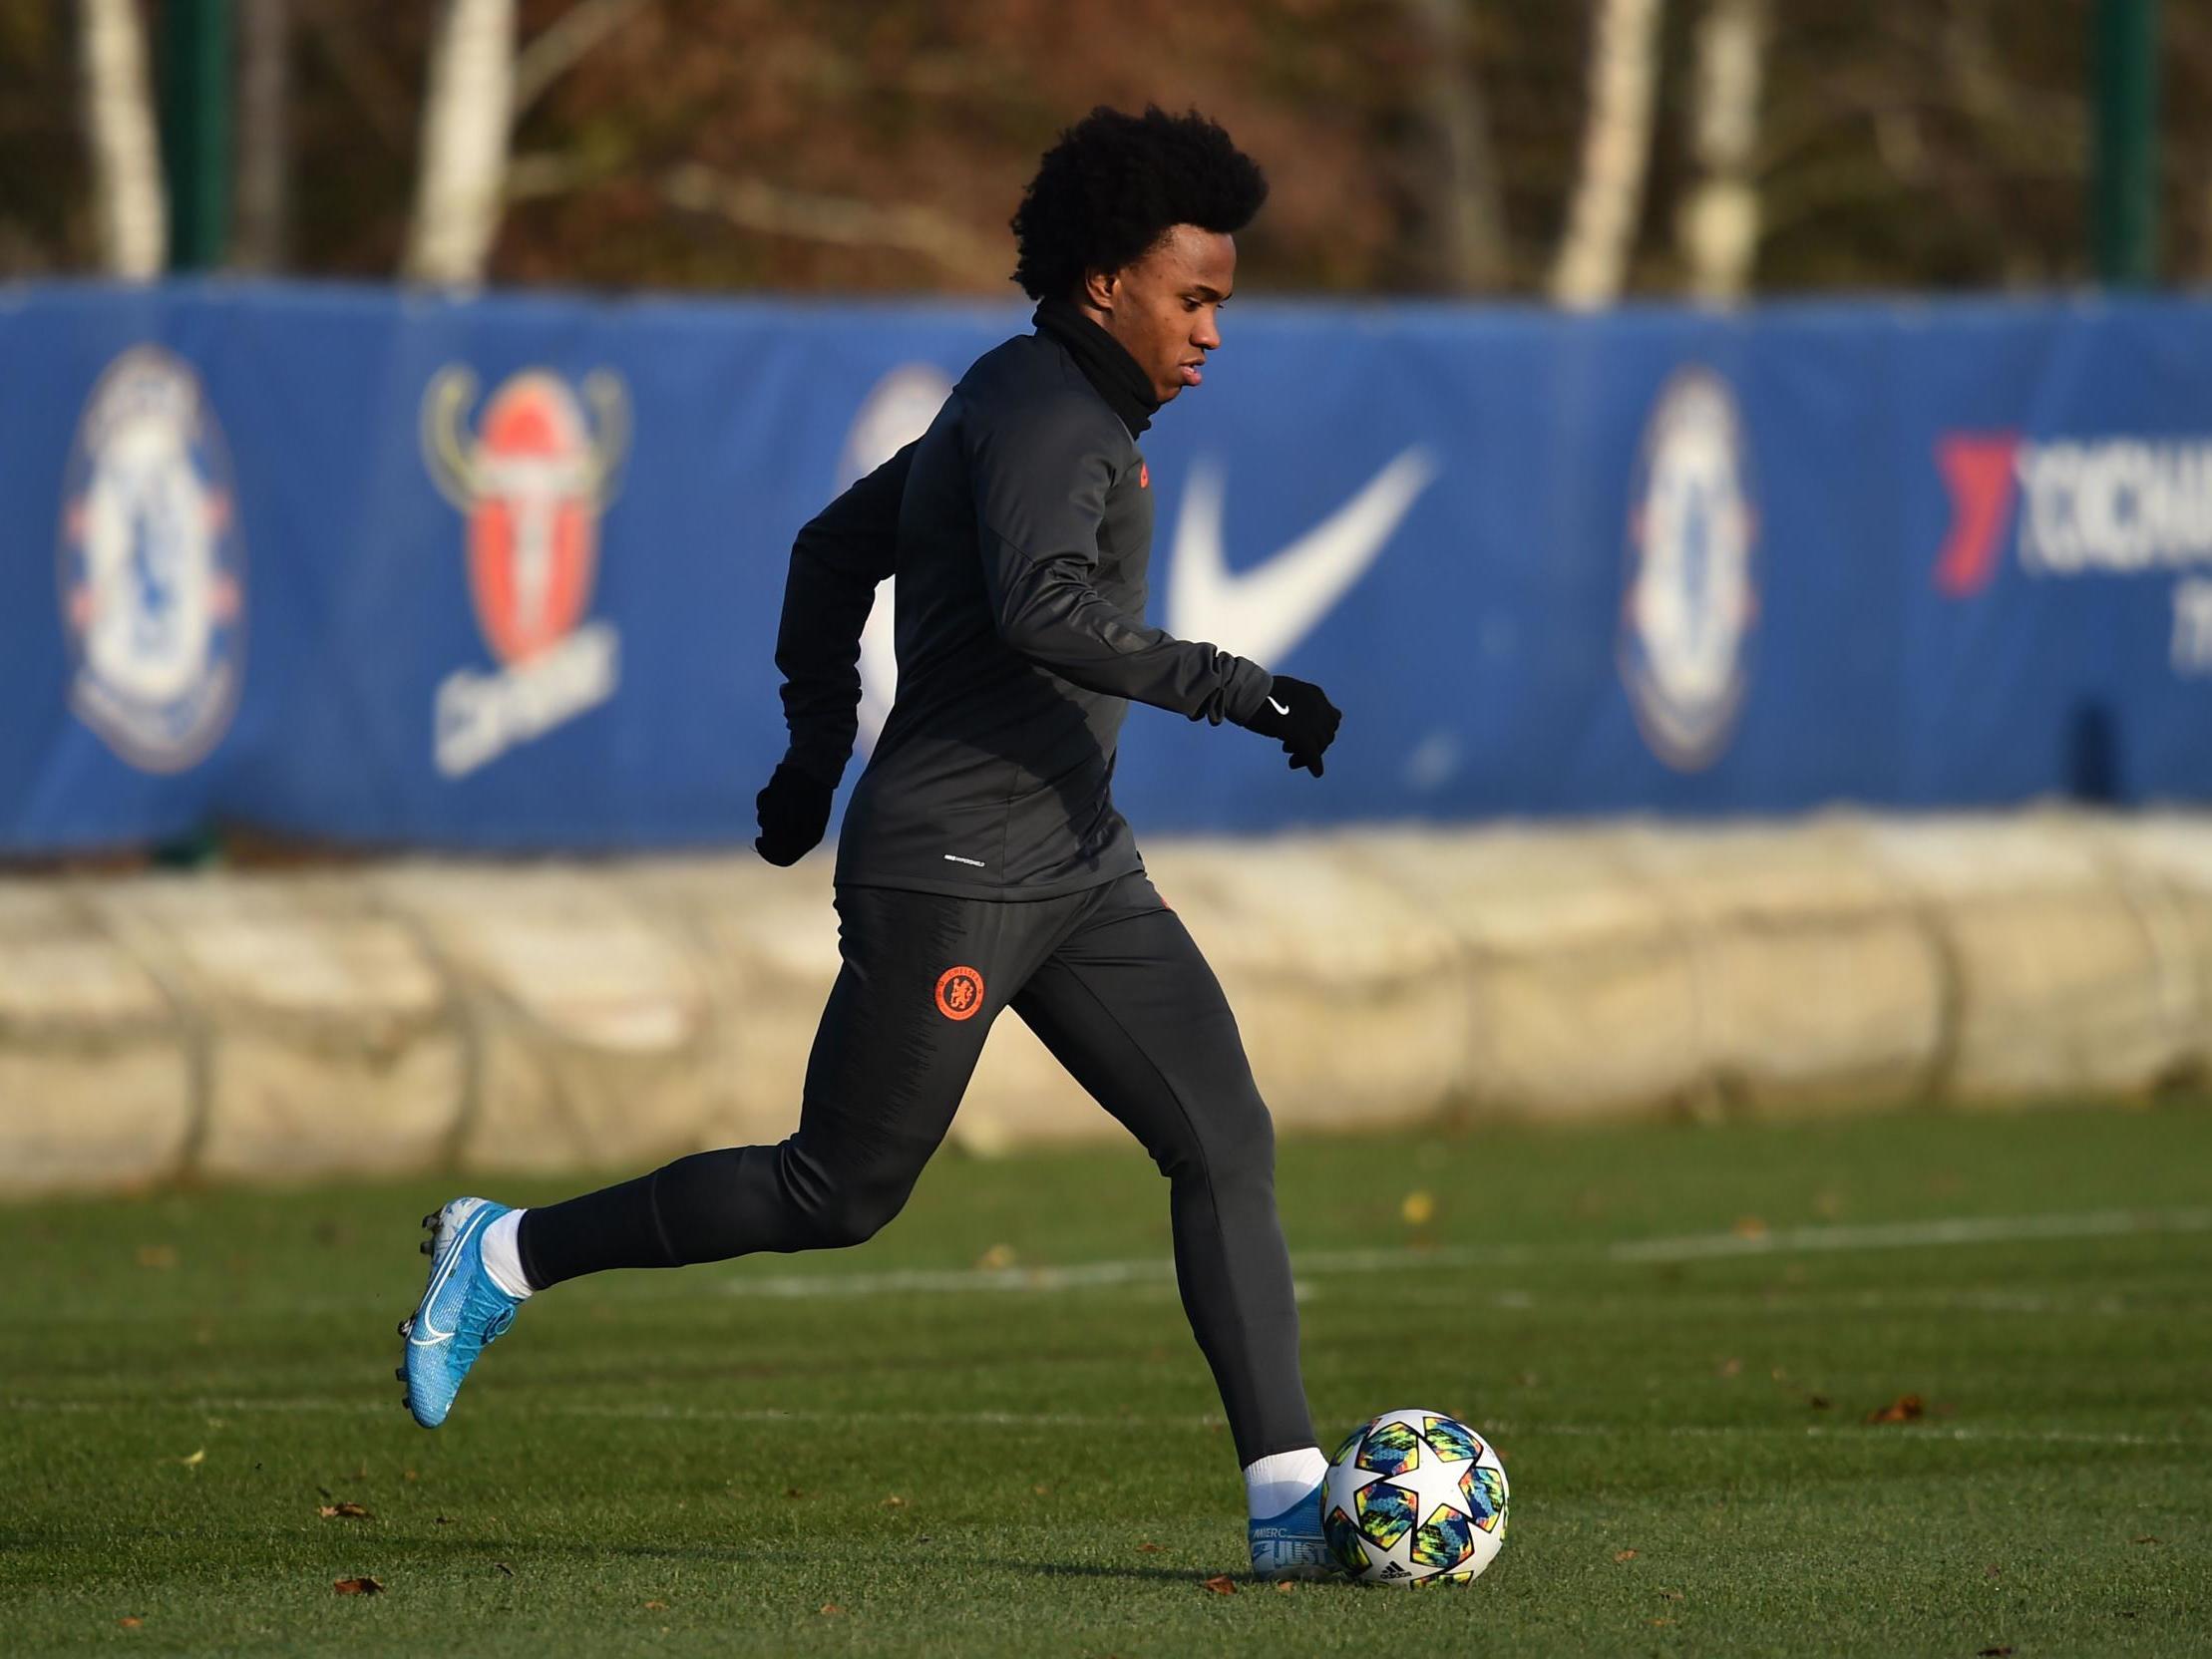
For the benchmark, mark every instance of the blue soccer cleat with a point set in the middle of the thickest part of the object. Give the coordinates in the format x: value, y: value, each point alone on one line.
x: 1291, y: 1546
x: 461, y: 1312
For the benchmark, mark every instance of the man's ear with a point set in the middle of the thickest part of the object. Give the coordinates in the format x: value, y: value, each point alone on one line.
x: 1100, y: 289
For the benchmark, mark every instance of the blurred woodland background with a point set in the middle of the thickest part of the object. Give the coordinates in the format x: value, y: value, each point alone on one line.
x: 1575, y: 151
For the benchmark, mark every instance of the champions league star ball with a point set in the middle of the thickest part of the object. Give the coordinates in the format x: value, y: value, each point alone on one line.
x: 1414, y: 1497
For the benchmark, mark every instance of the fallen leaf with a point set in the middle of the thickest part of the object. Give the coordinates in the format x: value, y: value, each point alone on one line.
x: 830, y: 1607
x: 409, y: 1474
x: 656, y: 1607
x: 1998, y: 1652
x: 794, y: 1492
x: 1670, y: 1595
x: 2146, y: 1538
x: 504, y: 1567
x: 357, y: 1586
x: 1818, y: 1402
x: 161, y: 1257
x: 1623, y: 1554
x: 1418, y: 1209
x: 195, y: 1460
x: 1749, y: 1226
x: 998, y: 1258
x: 1221, y: 1585
x: 895, y: 1501
x: 1663, y: 1621
x: 342, y: 1511
x: 1284, y: 1586
x: 1730, y: 1368
x: 1905, y: 1407
x: 1041, y: 1491
x: 443, y: 1521
x: 129, y: 1623
x: 1149, y: 1549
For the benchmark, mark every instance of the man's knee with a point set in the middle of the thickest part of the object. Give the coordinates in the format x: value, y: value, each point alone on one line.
x: 854, y: 1217
x: 1229, y: 1136
x: 839, y: 1206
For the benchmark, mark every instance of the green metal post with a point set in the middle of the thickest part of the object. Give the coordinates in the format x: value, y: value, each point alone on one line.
x: 195, y: 130
x: 2123, y: 187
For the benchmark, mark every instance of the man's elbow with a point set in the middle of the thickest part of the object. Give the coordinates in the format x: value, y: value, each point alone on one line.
x: 1024, y: 632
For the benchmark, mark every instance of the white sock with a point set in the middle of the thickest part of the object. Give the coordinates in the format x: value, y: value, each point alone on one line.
x: 503, y: 1255
x: 1279, y: 1479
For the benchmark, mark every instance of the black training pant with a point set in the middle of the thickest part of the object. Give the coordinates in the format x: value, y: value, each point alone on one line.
x: 1113, y: 985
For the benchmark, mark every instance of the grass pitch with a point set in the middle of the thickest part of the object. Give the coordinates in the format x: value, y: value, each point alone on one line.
x: 988, y: 1432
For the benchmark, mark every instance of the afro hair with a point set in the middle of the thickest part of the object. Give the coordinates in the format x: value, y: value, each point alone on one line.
x: 1115, y: 183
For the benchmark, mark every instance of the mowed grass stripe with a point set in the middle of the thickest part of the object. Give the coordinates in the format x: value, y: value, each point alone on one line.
x: 1048, y: 1422
x: 1945, y: 1233
x: 651, y: 1465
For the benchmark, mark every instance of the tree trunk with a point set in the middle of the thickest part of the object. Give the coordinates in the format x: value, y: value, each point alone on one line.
x: 265, y: 134
x: 128, y: 203
x: 462, y: 174
x: 1470, y: 249
x: 1719, y: 230
x: 1616, y: 147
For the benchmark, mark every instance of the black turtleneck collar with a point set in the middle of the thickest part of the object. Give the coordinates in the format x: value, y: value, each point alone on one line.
x: 1105, y: 361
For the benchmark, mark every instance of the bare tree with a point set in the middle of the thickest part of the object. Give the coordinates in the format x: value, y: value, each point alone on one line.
x: 1471, y: 249
x: 342, y: 40
x: 480, y: 86
x: 465, y: 117
x: 1593, y: 261
x: 756, y: 204
x: 560, y: 46
x: 1719, y: 230
x: 128, y: 203
x: 265, y: 134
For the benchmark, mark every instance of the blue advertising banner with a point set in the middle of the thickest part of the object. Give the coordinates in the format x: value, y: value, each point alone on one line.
x: 389, y: 570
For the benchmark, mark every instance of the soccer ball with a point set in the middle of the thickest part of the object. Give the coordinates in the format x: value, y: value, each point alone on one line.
x: 1414, y: 1497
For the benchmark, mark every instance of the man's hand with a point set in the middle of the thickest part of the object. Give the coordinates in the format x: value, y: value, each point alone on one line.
x: 794, y: 814
x: 1302, y: 717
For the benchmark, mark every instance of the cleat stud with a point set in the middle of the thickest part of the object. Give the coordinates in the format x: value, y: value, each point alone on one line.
x: 405, y: 1327
x: 431, y: 1220
x: 425, y: 1247
x: 399, y: 1373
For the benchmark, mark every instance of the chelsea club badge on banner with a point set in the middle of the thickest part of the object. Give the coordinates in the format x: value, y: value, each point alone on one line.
x: 152, y: 565
x: 1691, y: 596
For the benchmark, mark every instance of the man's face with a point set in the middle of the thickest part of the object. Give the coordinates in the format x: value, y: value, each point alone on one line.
x: 1165, y: 308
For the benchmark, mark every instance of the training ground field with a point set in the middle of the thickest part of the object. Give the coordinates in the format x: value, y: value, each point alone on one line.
x: 1696, y: 1349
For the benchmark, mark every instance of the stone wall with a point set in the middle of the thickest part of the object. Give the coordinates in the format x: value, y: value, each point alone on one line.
x: 244, y: 1026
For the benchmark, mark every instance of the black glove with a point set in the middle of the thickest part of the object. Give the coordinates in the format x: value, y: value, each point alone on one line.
x: 1302, y: 717
x: 794, y: 814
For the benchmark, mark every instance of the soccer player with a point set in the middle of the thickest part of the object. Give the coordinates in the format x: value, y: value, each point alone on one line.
x: 982, y: 866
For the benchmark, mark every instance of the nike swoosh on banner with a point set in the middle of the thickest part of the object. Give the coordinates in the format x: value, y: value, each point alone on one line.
x: 1264, y: 612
